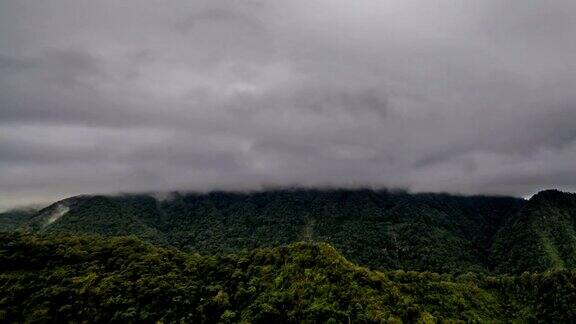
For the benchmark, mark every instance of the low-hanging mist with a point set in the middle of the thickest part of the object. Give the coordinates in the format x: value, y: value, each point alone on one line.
x: 107, y: 96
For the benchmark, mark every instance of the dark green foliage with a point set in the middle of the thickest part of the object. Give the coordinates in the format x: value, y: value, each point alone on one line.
x: 94, y: 279
x: 381, y: 229
x: 256, y: 273
x: 13, y: 219
x: 125, y: 215
x: 228, y: 222
x: 541, y: 236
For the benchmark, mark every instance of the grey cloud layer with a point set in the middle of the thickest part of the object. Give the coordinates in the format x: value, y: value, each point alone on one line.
x: 459, y: 96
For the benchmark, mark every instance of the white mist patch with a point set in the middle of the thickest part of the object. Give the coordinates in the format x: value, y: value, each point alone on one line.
x: 58, y: 212
x: 164, y: 196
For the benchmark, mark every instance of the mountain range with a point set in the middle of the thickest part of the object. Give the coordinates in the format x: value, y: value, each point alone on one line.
x: 380, y: 229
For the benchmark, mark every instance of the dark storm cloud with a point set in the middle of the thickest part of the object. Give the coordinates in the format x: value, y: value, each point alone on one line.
x: 458, y: 96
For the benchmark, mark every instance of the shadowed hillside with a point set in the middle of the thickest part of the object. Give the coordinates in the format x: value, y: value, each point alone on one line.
x: 13, y: 219
x: 542, y: 235
x: 381, y: 229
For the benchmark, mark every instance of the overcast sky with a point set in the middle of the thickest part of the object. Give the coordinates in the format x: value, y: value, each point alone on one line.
x: 122, y: 96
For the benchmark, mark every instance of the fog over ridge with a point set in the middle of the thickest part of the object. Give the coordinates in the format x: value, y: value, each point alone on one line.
x: 472, y: 97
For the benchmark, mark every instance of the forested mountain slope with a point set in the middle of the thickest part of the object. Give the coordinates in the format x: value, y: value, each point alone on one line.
x: 103, y: 215
x: 13, y: 219
x: 381, y: 229
x: 542, y: 235
x: 102, y: 280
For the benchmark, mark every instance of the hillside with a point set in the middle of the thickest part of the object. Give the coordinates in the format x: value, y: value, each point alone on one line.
x: 380, y: 229
x: 13, y: 219
x: 542, y: 235
x: 113, y: 216
x: 92, y: 279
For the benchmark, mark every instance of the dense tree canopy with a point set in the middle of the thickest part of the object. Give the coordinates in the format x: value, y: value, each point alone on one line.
x: 380, y: 229
x: 260, y: 258
x: 93, y: 279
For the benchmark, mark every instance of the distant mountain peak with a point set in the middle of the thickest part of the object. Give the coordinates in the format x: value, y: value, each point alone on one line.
x: 549, y: 193
x: 554, y: 196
